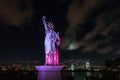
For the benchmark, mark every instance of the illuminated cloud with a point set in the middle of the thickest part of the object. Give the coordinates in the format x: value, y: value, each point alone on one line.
x: 93, y: 25
x: 15, y: 12
x: 73, y: 45
x: 76, y: 15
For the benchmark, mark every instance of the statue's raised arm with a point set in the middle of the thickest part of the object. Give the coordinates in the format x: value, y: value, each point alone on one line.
x: 44, y: 22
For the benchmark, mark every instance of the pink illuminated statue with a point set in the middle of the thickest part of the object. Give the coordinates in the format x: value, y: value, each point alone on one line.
x: 52, y: 41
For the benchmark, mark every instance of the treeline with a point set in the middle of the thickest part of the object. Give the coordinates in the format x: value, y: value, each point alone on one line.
x: 113, y: 64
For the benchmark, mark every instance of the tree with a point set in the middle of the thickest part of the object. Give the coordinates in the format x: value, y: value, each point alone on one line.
x: 113, y: 64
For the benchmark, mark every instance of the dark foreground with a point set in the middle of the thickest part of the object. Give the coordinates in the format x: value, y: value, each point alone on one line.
x: 65, y: 75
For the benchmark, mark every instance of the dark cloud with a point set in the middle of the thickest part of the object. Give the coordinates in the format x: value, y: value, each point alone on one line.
x: 118, y: 52
x: 15, y: 12
x: 74, y: 61
x: 96, y: 23
x: 64, y: 1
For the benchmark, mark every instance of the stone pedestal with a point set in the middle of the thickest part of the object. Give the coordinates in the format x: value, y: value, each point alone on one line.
x: 49, y: 72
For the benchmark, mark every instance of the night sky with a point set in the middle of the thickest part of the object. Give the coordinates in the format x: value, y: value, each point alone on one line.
x: 89, y: 30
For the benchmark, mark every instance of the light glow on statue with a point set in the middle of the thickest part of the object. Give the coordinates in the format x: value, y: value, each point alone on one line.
x: 52, y: 41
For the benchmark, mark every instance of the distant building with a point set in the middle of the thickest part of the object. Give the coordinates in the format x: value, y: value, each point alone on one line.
x: 87, y: 65
x: 72, y: 67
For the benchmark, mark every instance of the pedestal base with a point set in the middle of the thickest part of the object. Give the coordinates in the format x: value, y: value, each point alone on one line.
x: 49, y: 72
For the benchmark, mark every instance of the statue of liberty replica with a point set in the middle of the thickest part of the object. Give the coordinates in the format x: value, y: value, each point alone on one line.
x: 51, y: 43
x: 51, y: 69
